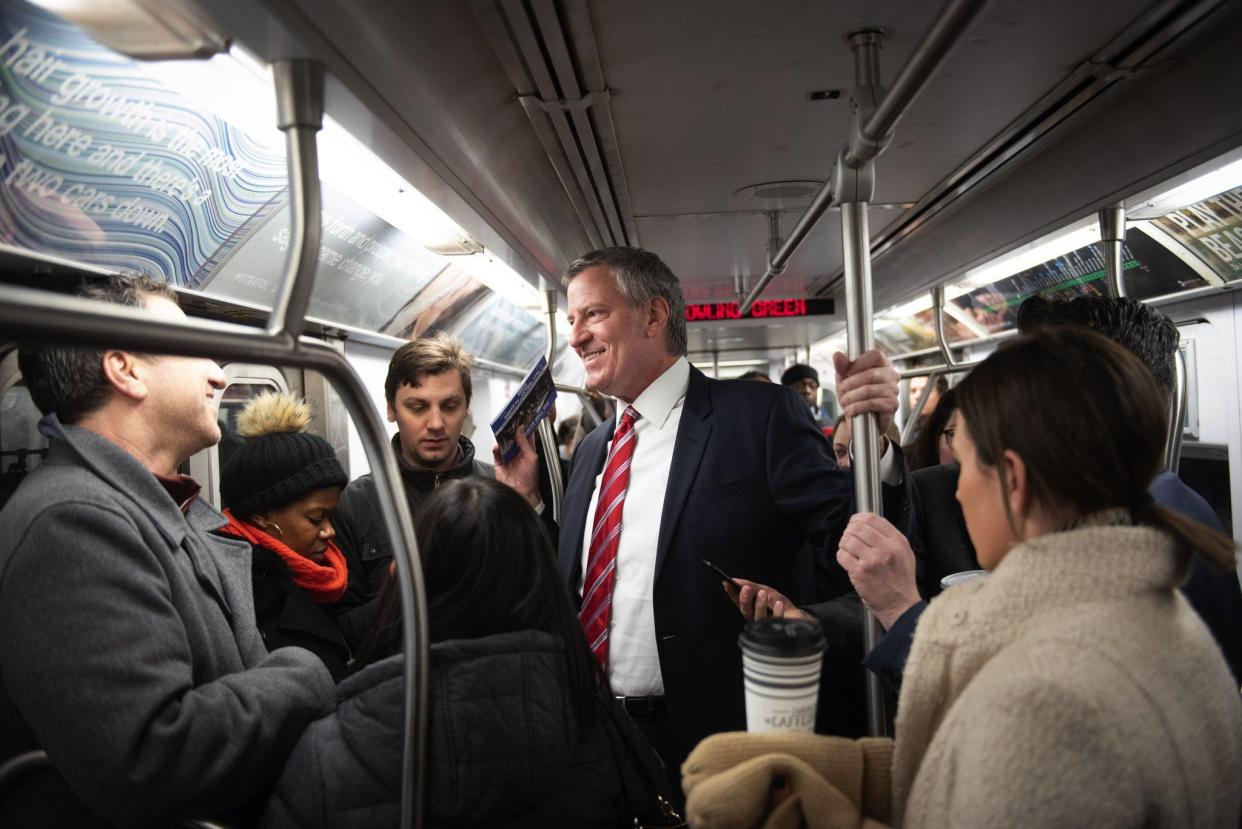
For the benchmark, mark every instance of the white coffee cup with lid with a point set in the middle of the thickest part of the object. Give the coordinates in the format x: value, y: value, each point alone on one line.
x: 781, y: 660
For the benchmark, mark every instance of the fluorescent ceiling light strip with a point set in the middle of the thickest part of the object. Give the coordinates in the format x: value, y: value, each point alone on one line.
x: 238, y: 88
x: 1079, y: 234
x: 740, y: 363
x: 1226, y: 175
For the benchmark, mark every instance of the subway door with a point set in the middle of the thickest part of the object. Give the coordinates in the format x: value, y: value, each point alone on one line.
x: 243, y: 382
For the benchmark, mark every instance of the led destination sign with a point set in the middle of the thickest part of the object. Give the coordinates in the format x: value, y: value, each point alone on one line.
x: 761, y: 309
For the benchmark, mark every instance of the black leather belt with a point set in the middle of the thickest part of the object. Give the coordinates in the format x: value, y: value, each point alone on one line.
x: 645, y: 709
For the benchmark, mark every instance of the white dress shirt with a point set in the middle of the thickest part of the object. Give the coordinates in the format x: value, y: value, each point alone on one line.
x: 633, y: 659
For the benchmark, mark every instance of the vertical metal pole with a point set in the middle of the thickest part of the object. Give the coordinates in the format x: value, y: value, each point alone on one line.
x: 551, y: 453
x: 774, y: 234
x: 1113, y: 236
x: 865, y: 466
x: 917, y: 412
x: 942, y: 339
x: 299, y: 114
x: 1177, y: 414
x: 716, y: 364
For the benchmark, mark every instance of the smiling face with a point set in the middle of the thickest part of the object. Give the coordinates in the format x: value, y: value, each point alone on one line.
x: 429, y: 417
x: 180, y: 402
x: 306, y: 524
x: 622, y: 347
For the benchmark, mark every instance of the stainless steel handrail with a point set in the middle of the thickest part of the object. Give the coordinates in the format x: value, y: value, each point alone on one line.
x: 942, y: 342
x: 547, y: 436
x: 939, y: 368
x: 907, y: 430
x: 936, y: 43
x: 869, y: 142
x: 935, y: 349
x: 865, y: 434
x: 299, y: 114
x: 1113, y: 237
x: 1177, y: 414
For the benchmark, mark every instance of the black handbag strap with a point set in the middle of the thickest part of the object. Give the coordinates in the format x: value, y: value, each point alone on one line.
x: 639, y: 771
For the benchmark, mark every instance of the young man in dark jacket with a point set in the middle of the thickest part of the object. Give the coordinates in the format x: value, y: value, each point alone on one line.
x: 130, y: 653
x: 428, y: 391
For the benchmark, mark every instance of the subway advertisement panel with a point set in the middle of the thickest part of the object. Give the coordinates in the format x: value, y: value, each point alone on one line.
x: 102, y: 164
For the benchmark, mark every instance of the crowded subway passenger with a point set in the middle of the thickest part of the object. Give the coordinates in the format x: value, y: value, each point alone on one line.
x: 1070, y: 686
x: 130, y: 653
x: 888, y: 480
x: 280, y: 487
x: 524, y: 730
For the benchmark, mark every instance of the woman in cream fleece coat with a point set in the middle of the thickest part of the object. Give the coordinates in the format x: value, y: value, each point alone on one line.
x: 1073, y: 686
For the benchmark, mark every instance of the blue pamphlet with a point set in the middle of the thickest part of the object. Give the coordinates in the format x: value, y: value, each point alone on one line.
x: 526, y: 408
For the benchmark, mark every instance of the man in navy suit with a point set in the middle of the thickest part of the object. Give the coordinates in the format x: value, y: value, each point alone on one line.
x: 734, y: 472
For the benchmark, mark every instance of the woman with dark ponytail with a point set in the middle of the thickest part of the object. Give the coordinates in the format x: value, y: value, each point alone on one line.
x: 1074, y: 685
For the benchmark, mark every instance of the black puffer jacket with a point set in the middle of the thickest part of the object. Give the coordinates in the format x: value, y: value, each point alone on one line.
x: 503, y: 750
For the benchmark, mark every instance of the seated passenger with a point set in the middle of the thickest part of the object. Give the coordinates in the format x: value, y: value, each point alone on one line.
x: 129, y: 651
x: 522, y: 731
x: 281, y: 485
x: 1072, y: 686
x: 934, y: 443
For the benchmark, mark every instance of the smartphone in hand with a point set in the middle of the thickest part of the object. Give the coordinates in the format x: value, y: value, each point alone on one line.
x: 723, y: 575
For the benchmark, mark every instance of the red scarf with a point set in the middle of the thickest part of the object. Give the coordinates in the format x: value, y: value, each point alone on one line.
x: 325, y: 584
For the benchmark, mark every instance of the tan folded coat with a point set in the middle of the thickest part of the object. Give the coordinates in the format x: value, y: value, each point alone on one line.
x: 730, y: 781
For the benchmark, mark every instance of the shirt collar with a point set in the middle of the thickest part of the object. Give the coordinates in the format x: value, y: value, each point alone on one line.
x: 182, y: 488
x: 659, y: 399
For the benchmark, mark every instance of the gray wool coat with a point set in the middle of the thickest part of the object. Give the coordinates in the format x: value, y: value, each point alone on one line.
x: 130, y: 650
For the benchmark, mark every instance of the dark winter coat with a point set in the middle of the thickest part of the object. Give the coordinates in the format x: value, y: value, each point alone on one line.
x: 287, y: 616
x: 504, y: 748
x: 359, y: 526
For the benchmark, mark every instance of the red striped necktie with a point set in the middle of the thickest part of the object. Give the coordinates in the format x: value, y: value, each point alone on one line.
x: 601, y: 570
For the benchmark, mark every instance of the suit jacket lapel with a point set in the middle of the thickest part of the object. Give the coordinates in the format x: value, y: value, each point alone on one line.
x: 588, y: 462
x: 692, y: 435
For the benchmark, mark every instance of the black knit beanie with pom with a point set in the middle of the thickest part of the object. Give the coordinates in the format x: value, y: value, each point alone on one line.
x: 276, y: 462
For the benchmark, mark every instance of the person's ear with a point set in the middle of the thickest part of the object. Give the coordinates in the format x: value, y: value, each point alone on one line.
x: 657, y: 315
x: 126, y: 373
x: 1018, y: 483
x: 392, y: 414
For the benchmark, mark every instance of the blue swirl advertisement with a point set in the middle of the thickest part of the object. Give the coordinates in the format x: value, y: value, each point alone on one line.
x: 125, y: 165
x: 100, y: 163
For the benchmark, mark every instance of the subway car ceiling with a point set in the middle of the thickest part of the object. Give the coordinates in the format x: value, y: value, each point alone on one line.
x: 543, y: 129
